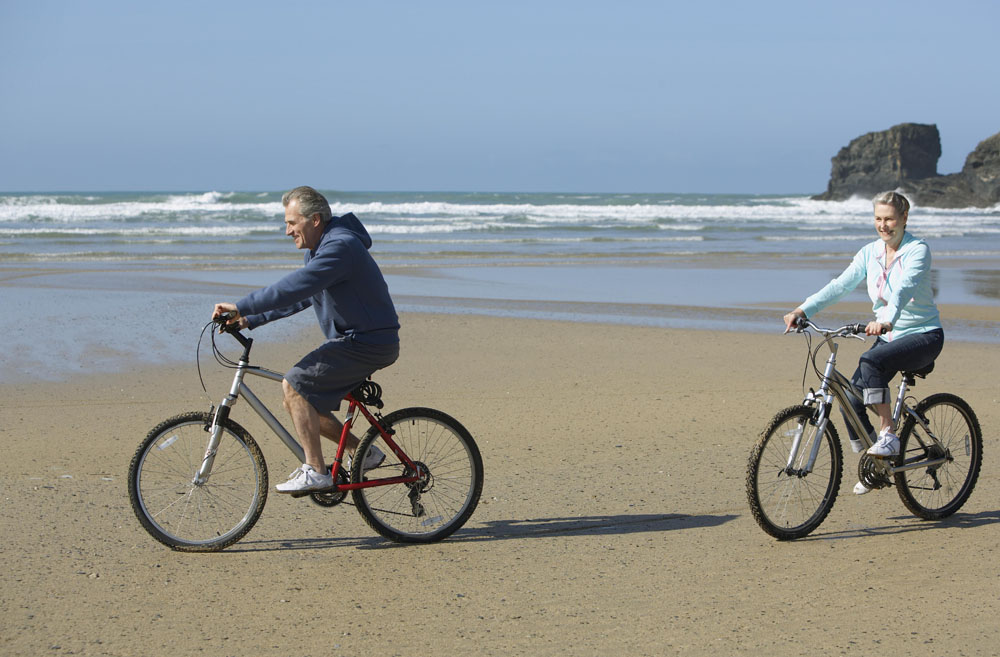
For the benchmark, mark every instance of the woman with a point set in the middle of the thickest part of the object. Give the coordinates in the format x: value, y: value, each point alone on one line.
x: 897, y: 268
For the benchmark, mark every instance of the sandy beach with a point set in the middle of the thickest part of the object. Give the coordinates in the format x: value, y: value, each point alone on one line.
x: 613, y: 515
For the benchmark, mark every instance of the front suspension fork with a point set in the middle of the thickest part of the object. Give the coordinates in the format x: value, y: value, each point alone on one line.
x: 215, y: 431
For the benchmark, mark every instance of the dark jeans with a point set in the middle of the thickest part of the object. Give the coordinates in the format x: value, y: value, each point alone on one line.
x: 880, y: 364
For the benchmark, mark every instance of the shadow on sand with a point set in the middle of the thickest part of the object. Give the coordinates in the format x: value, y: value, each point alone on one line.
x: 912, y: 524
x: 499, y: 530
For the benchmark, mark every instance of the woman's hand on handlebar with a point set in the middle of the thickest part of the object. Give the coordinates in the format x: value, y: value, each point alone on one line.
x: 877, y: 328
x: 230, y: 314
x: 792, y: 319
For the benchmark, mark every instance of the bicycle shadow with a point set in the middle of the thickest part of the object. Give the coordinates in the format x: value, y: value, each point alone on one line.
x: 956, y: 521
x: 515, y: 529
x: 495, y: 530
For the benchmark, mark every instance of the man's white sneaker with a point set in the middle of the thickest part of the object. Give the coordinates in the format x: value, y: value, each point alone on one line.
x: 304, y: 479
x: 886, y: 445
x: 373, y: 459
x: 857, y: 446
x: 861, y: 489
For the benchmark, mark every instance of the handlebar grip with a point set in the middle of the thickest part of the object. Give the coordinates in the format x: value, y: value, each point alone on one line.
x: 222, y: 321
x: 858, y: 329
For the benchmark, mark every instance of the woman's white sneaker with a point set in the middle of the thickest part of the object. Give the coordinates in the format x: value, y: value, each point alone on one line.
x: 886, y: 445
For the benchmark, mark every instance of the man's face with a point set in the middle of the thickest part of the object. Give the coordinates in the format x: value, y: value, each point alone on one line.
x: 306, y: 231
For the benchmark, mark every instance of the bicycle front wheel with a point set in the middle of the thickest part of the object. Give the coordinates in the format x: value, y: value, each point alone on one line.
x: 190, y: 516
x: 787, y: 500
x: 442, y: 500
x: 951, y: 433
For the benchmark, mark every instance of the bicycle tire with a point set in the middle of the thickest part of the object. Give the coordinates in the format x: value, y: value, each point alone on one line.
x: 434, y: 508
x: 937, y: 492
x: 788, y: 505
x: 189, y: 517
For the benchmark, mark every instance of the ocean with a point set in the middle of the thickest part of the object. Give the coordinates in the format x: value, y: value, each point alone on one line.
x: 93, y: 264
x: 196, y: 229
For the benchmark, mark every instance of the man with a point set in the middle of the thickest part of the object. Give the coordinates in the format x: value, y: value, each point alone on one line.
x: 345, y: 287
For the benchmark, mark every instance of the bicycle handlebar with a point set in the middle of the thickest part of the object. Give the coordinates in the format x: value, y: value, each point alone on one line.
x: 802, y: 323
x: 222, y: 322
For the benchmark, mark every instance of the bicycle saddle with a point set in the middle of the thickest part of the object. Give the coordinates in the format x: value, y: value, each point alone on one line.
x: 922, y: 372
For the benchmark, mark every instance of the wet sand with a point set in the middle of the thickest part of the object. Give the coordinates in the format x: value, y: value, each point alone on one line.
x: 613, y: 515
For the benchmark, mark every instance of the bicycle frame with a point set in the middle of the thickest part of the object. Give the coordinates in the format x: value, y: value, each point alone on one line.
x: 834, y: 386
x: 240, y: 389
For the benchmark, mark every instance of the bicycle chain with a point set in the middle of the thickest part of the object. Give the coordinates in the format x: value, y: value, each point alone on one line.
x: 332, y: 499
x: 870, y: 473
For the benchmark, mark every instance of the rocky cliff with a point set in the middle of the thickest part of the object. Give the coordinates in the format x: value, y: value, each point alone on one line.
x: 904, y: 158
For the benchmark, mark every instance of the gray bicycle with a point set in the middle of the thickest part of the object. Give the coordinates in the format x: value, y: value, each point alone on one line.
x: 198, y: 482
x: 795, y: 468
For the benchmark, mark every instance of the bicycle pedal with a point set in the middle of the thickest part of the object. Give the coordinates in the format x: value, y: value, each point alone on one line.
x: 305, y: 493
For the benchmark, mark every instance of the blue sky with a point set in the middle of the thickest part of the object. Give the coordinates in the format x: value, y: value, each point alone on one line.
x: 618, y: 96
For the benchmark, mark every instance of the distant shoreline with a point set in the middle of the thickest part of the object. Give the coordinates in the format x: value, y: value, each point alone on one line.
x: 63, y: 320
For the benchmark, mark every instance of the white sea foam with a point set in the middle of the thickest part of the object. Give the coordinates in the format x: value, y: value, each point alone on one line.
x: 49, y: 209
x: 175, y: 225
x: 147, y: 231
x: 677, y: 215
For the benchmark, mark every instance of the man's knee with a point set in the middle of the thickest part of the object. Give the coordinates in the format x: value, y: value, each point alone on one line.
x: 291, y: 395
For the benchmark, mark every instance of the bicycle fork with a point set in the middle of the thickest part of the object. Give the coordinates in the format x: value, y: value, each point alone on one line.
x: 823, y: 400
x: 215, y: 430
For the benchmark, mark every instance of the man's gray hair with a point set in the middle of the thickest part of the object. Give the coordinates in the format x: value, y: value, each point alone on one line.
x: 895, y: 199
x: 310, y: 202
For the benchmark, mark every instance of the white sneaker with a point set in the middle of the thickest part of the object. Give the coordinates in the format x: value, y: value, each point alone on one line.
x: 857, y: 446
x: 861, y: 489
x: 373, y: 459
x: 304, y: 479
x: 886, y: 445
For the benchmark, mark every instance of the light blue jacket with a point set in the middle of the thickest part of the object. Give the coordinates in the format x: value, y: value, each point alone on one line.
x: 901, y: 296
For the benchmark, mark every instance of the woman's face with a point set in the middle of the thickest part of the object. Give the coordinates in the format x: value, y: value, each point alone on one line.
x: 889, y: 224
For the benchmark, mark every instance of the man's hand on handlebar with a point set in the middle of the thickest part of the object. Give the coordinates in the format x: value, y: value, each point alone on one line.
x: 228, y: 316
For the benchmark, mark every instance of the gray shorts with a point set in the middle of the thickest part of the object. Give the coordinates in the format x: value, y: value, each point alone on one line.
x: 328, y: 373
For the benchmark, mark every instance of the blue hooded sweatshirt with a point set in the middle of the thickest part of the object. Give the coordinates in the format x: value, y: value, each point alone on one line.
x: 341, y: 281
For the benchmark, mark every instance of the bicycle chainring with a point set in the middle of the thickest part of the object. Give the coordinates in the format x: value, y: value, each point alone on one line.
x: 332, y: 498
x: 870, y: 473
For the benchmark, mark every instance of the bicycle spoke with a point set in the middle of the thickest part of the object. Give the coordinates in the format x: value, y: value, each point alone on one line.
x: 791, y: 503
x: 183, y: 514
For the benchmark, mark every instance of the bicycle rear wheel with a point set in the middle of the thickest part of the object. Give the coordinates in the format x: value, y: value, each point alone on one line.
x: 440, y: 502
x: 786, y: 502
x: 938, y: 491
x: 197, y: 517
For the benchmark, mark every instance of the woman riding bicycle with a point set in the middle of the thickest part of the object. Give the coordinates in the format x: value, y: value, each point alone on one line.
x: 897, y: 269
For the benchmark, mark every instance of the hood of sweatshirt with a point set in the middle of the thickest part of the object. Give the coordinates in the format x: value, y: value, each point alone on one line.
x: 350, y: 224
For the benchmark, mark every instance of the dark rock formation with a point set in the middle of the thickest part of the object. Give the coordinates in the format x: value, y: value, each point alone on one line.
x: 905, y: 157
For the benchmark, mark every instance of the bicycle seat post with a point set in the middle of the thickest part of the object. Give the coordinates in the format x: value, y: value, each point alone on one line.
x: 900, y: 398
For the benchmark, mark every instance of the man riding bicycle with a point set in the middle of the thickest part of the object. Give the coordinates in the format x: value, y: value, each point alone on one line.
x: 344, y: 285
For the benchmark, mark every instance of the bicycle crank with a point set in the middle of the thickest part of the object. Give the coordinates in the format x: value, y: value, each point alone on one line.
x: 333, y: 497
x: 872, y: 474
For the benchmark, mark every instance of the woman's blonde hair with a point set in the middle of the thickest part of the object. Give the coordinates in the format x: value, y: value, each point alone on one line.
x: 895, y: 199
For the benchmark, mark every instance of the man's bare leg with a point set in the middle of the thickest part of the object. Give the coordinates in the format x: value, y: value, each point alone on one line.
x: 310, y: 424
